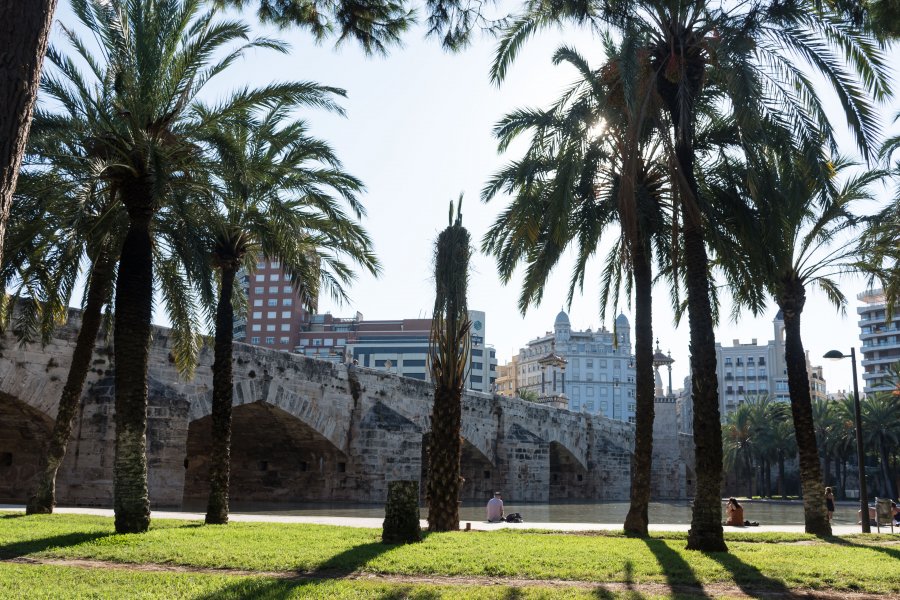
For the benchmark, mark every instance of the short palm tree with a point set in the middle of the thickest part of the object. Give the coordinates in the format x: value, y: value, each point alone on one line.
x: 156, y: 56
x: 448, y: 358
x: 590, y: 166
x: 278, y: 196
x: 881, y: 431
x: 789, y: 240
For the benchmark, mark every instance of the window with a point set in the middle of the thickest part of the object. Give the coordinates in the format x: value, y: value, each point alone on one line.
x: 271, y: 314
x: 285, y: 340
x: 270, y: 340
x: 590, y: 364
x: 256, y: 327
x: 603, y: 391
x: 260, y: 278
x: 254, y: 340
x: 273, y: 289
x: 286, y: 314
x: 589, y: 406
x: 272, y: 302
x: 261, y: 265
x: 287, y: 301
x: 317, y: 342
x: 590, y: 376
x: 329, y: 342
x: 286, y: 289
x: 258, y: 290
x: 602, y: 363
x: 574, y: 362
x: 257, y: 302
x: 590, y: 391
x: 275, y: 264
x: 477, y: 366
x: 576, y: 392
x: 270, y: 328
x: 285, y: 326
x: 275, y: 277
x: 257, y: 314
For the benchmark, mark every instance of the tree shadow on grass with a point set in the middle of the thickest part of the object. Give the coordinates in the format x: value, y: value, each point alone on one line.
x: 892, y: 552
x: 282, y: 589
x: 751, y: 580
x: 679, y: 574
x: 26, y: 547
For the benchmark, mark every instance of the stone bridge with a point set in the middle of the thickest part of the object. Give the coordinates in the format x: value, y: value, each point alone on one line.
x: 306, y: 431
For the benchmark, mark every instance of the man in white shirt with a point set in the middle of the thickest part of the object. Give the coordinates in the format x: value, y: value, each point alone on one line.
x: 495, y: 509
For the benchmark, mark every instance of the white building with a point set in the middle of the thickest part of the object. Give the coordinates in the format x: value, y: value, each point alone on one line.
x: 750, y: 370
x: 596, y: 373
x: 880, y: 341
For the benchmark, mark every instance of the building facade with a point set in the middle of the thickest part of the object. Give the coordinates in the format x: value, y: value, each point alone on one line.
x: 595, y: 373
x: 880, y: 341
x: 507, y: 383
x: 275, y: 314
x: 397, y: 346
x: 752, y: 370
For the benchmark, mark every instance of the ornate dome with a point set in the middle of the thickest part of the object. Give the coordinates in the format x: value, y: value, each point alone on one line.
x: 622, y: 321
x: 562, y: 319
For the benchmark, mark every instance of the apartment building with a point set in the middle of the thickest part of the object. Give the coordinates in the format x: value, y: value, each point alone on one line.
x: 880, y: 338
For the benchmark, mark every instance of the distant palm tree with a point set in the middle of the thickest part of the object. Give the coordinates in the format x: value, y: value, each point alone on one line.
x: 277, y: 197
x: 881, y: 431
x: 788, y: 239
x: 448, y: 357
x: 143, y: 82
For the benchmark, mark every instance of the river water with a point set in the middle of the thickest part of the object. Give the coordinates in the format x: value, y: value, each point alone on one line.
x: 768, y: 513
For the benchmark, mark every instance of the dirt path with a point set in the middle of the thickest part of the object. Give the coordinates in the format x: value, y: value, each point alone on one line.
x: 717, y: 590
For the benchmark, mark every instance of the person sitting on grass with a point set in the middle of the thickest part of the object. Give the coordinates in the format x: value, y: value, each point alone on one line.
x: 495, y: 509
x: 734, y: 513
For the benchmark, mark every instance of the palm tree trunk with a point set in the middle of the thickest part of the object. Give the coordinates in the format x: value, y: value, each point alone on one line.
x: 24, y: 33
x: 43, y: 499
x: 444, y: 455
x: 637, y: 520
x: 220, y: 462
x: 131, y: 342
x: 706, y: 533
x: 791, y: 303
x: 782, y: 488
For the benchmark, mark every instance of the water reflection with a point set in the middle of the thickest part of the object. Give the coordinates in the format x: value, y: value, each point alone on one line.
x: 767, y: 513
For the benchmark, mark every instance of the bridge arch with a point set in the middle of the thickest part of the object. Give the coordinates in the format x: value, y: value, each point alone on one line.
x: 24, y: 432
x: 275, y: 457
x: 478, y: 472
x: 569, y: 478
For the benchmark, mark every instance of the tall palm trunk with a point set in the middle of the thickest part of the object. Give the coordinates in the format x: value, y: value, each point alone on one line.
x: 43, y: 499
x: 131, y: 343
x: 24, y: 34
x: 637, y: 520
x: 706, y: 531
x: 220, y: 464
x: 791, y: 303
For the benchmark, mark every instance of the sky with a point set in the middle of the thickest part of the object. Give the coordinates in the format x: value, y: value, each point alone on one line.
x: 418, y: 132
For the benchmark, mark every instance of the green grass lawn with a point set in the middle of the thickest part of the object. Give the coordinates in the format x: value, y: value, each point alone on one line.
x: 771, y: 561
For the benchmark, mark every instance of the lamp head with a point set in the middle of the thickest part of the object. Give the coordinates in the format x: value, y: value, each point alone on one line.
x: 834, y: 355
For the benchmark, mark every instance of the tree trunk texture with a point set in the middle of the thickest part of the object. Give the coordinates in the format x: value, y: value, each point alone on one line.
x: 791, y: 303
x: 637, y: 520
x: 24, y: 33
x: 220, y: 462
x: 706, y: 531
x: 43, y: 499
x: 444, y: 455
x: 782, y: 488
x: 131, y: 343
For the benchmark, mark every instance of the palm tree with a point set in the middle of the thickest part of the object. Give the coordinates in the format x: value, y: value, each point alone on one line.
x: 743, y: 55
x: 156, y: 57
x: 881, y: 430
x: 573, y: 183
x: 276, y: 198
x: 790, y: 240
x: 448, y: 357
x: 738, y: 437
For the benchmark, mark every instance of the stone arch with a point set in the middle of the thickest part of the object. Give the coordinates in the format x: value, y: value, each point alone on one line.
x: 24, y: 432
x: 275, y: 458
x: 568, y: 476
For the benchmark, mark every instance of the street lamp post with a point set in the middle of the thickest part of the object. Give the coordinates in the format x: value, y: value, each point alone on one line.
x: 863, y: 494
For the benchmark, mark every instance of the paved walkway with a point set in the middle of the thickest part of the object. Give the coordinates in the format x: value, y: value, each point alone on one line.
x: 376, y: 523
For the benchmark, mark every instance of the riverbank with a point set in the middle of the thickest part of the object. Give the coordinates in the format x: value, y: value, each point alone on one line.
x: 73, y: 556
